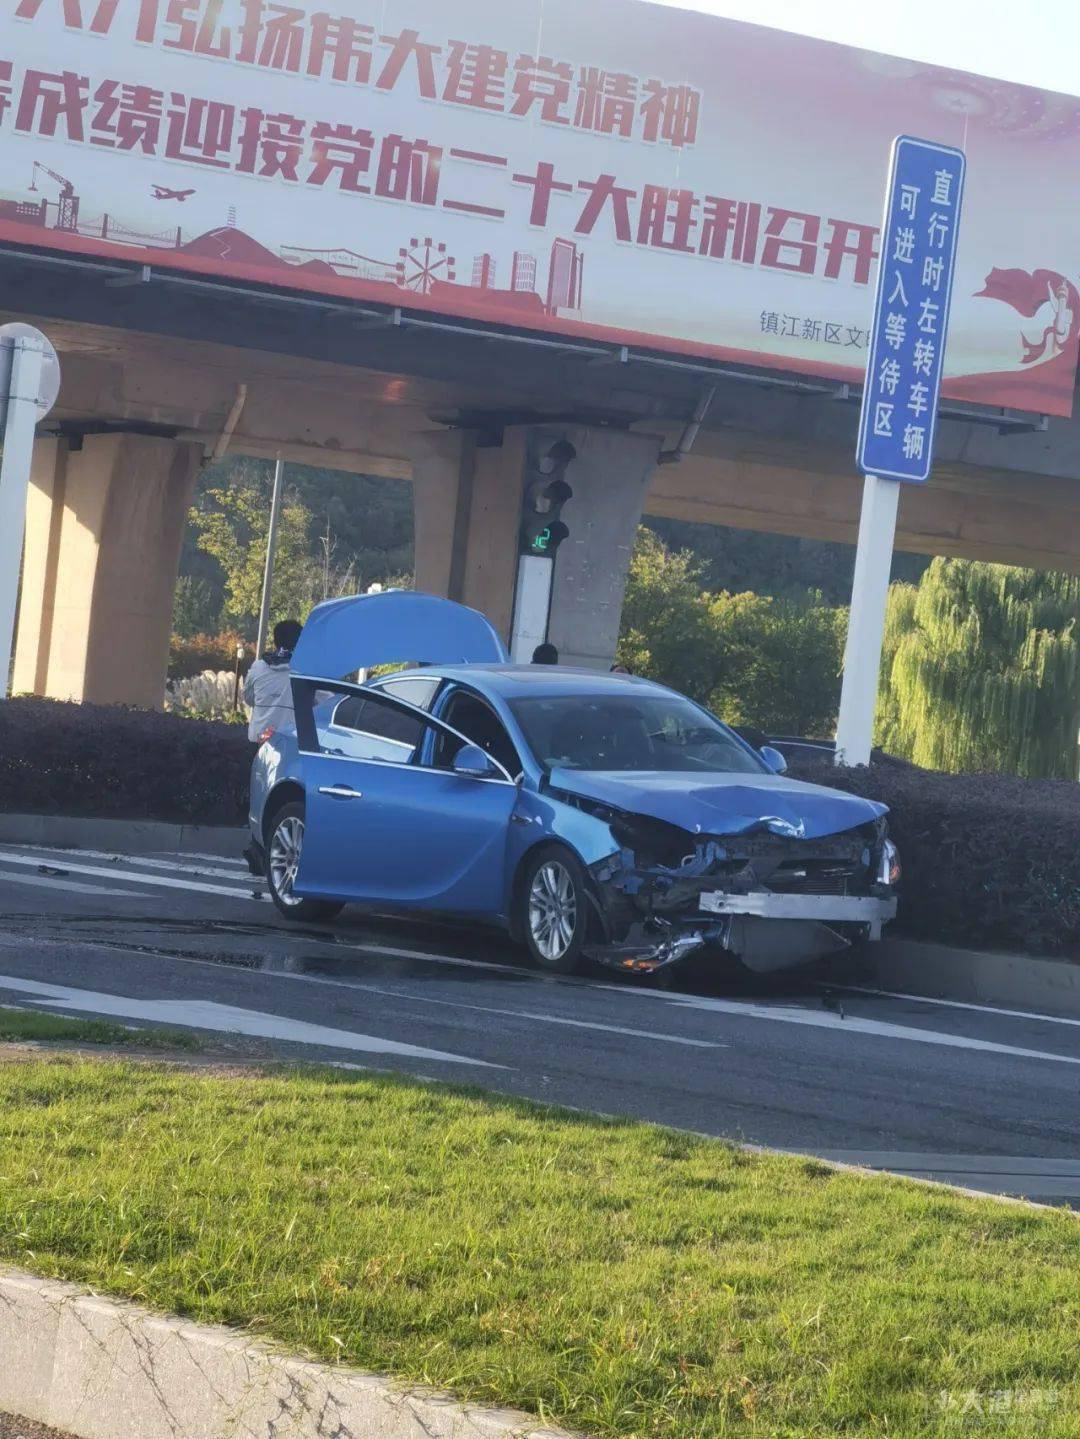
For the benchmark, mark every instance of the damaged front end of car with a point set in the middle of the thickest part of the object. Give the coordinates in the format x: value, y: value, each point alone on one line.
x: 769, y: 895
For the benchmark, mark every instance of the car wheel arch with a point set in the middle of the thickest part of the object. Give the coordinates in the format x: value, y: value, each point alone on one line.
x: 287, y: 791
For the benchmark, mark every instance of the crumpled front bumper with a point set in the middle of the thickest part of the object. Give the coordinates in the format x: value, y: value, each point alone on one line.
x: 766, y: 929
x: 824, y: 908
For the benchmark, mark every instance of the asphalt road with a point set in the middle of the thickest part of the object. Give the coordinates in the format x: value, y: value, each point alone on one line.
x: 981, y: 1097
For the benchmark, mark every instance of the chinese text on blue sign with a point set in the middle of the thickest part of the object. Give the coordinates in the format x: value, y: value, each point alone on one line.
x: 911, y: 314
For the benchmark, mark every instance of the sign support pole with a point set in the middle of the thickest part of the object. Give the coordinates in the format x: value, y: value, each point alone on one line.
x: 866, y: 625
x: 23, y: 409
x: 271, y: 546
x: 898, y: 421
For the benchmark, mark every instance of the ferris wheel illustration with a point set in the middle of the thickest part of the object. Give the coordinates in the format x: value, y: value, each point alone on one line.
x: 423, y: 262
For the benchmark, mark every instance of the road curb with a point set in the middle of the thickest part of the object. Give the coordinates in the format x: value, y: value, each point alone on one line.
x: 126, y: 836
x: 102, y: 1369
x: 939, y: 971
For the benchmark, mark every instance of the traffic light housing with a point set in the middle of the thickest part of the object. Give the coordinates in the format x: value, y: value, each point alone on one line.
x: 546, y: 491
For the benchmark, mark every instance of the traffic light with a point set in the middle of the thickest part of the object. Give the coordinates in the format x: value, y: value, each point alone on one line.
x: 546, y: 491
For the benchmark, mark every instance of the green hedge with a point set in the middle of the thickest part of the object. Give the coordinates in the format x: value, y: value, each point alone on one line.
x: 990, y: 861
x: 114, y: 762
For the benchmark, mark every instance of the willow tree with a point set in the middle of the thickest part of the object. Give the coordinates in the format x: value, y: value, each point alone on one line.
x: 981, y: 670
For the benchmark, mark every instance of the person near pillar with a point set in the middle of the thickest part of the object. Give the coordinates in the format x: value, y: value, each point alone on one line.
x: 545, y: 654
x: 268, y: 687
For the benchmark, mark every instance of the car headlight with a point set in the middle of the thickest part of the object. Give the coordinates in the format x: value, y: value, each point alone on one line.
x: 889, y: 870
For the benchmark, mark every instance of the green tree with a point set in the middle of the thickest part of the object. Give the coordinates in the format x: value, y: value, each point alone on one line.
x: 230, y: 524
x: 756, y: 660
x: 982, y: 670
x: 196, y: 606
x: 780, y: 670
x: 666, y: 630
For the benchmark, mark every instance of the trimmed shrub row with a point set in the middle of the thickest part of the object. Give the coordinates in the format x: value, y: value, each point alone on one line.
x: 114, y: 762
x: 990, y: 861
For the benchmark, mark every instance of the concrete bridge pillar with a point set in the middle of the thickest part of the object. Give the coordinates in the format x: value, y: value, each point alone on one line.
x: 104, y: 524
x: 468, y: 492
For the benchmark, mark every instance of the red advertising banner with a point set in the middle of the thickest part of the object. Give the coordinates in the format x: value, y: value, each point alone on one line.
x: 611, y: 170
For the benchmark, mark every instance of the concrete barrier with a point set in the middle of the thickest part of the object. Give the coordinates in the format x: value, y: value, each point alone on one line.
x: 101, y: 1369
x: 940, y: 971
x: 122, y: 836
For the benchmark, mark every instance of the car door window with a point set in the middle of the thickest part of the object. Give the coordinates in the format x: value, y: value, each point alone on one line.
x: 376, y: 730
x: 370, y: 725
x: 414, y: 690
x: 478, y: 722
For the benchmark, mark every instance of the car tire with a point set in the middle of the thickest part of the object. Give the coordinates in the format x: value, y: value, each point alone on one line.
x: 552, y: 907
x: 284, y: 841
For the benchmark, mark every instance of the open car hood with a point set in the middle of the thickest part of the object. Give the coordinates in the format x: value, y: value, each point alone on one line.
x: 343, y: 636
x: 719, y: 804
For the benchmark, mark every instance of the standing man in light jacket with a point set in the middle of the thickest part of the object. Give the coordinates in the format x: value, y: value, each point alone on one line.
x: 268, y: 687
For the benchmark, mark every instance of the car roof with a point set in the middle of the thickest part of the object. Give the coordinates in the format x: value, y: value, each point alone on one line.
x: 520, y: 681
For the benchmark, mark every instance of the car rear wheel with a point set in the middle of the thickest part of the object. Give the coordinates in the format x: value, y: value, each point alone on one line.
x: 285, y: 841
x: 553, y: 909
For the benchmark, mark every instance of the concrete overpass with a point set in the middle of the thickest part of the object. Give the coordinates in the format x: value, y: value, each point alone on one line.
x: 161, y: 371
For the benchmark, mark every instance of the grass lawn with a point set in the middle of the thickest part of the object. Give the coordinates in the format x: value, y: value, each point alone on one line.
x: 618, y: 1278
x: 29, y: 1024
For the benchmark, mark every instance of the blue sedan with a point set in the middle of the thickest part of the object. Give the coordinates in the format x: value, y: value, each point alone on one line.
x: 589, y: 814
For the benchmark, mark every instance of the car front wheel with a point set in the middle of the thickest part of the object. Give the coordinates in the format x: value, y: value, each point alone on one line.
x: 553, y: 909
x: 285, y: 842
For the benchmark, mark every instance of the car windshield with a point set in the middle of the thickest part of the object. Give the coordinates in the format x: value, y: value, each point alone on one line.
x: 630, y: 732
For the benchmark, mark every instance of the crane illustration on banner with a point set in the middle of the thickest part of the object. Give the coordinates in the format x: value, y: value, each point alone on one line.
x: 67, y: 206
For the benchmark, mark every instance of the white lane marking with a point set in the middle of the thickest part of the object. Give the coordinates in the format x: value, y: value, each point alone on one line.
x: 823, y: 1019
x: 174, y: 864
x: 226, y: 1019
x: 393, y: 953
x: 161, y: 881
x: 538, y: 1018
x: 956, y: 1004
x: 68, y: 884
x: 7, y: 942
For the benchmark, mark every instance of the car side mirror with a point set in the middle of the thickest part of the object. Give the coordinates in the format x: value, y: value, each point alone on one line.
x: 474, y: 763
x: 773, y: 758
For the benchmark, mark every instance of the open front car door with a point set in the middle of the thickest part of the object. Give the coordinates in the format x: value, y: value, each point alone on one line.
x: 411, y: 815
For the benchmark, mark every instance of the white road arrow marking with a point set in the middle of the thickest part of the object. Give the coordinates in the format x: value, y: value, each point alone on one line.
x: 225, y: 1019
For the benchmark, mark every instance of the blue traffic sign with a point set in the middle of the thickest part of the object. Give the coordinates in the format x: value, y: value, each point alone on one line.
x: 911, y: 313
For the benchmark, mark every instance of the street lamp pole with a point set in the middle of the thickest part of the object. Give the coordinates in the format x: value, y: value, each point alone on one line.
x: 271, y: 543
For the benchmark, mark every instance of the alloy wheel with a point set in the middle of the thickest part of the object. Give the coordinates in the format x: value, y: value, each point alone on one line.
x: 285, y: 849
x: 553, y: 908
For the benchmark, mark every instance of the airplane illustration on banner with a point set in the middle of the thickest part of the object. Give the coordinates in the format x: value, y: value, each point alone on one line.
x: 162, y: 192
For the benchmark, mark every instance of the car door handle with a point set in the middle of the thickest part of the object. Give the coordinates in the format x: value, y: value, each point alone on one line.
x: 340, y: 791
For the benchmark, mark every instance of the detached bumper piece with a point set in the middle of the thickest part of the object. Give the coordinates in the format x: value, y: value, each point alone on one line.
x: 778, y: 931
x: 850, y: 909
